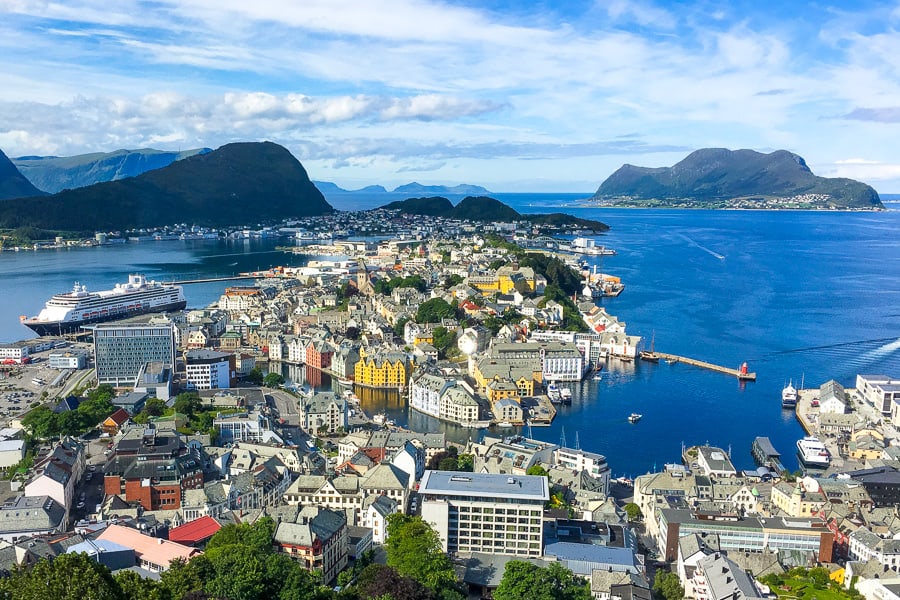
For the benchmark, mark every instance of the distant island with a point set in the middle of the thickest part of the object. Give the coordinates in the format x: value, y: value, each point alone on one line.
x: 327, y: 187
x: 57, y: 173
x: 486, y: 209
x: 237, y: 183
x: 721, y: 178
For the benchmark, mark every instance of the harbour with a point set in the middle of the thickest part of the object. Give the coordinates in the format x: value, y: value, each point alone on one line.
x: 697, y: 306
x: 741, y: 373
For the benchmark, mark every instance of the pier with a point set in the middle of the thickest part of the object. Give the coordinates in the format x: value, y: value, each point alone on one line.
x: 741, y: 373
x: 213, y: 279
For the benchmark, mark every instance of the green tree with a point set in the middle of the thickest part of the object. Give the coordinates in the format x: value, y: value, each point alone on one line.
x: 255, y: 376
x: 41, y: 422
x: 444, y: 339
x: 135, y: 587
x: 537, y: 470
x: 187, y: 403
x: 432, y: 311
x: 666, y: 586
x: 181, y: 579
x: 633, y: 511
x: 414, y: 550
x: 273, y: 380
x: 71, y: 576
x: 554, y: 582
x: 382, y: 581
x: 399, y: 326
x: 257, y: 536
x: 155, y: 407
x: 466, y: 462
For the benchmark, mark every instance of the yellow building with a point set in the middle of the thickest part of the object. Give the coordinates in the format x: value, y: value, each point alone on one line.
x: 389, y: 369
x: 526, y: 377
x: 504, y: 281
x: 866, y: 444
x: 797, y: 502
x: 499, y: 388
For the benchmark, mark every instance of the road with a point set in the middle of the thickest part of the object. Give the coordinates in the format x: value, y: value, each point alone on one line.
x: 286, y: 405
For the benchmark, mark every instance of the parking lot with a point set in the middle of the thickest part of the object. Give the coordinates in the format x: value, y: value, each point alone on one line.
x: 23, y: 387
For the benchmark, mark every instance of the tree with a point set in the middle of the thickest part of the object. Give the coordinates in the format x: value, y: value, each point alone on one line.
x: 444, y: 339
x: 71, y: 576
x: 187, y: 403
x: 554, y: 582
x: 155, y: 407
x: 666, y: 586
x: 400, y: 325
x: 273, y: 380
x: 255, y: 376
x: 432, y: 311
x: 466, y: 462
x: 41, y: 422
x: 377, y: 581
x: 634, y: 512
x: 537, y: 470
x: 135, y: 587
x: 414, y: 550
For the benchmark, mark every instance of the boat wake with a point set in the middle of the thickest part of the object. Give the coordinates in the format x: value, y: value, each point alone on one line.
x: 704, y: 248
x: 881, y: 351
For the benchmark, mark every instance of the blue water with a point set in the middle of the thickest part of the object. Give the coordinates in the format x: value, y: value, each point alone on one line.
x: 812, y: 295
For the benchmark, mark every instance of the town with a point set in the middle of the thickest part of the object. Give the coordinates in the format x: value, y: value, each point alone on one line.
x: 137, y: 441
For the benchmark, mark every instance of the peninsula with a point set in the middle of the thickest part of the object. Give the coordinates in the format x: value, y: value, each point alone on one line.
x: 721, y: 178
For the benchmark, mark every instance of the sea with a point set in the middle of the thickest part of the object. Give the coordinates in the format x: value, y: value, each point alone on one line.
x: 801, y: 297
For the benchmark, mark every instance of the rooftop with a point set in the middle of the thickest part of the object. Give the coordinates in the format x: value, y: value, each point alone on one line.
x: 455, y: 483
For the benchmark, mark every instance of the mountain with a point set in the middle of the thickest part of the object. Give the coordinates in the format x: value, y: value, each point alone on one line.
x: 456, y: 190
x: 484, y: 208
x: 12, y: 183
x: 238, y: 183
x: 56, y: 173
x: 327, y: 187
x: 736, y: 178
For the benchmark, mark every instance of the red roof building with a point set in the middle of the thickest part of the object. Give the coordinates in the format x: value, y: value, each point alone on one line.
x: 196, y: 533
x: 114, y: 422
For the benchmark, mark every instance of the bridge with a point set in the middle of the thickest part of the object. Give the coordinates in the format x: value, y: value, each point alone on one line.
x: 741, y: 373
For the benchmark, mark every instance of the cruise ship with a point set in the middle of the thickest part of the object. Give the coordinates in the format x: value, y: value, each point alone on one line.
x: 68, y: 311
x: 813, y: 453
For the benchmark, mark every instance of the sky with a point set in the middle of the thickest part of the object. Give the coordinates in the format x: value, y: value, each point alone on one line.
x: 543, y: 96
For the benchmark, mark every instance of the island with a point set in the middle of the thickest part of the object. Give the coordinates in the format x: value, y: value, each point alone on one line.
x: 721, y: 178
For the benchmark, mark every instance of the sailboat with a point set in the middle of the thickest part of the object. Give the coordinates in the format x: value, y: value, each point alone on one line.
x: 650, y: 356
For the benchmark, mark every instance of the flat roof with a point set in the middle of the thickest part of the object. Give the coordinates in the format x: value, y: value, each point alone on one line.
x: 489, y: 485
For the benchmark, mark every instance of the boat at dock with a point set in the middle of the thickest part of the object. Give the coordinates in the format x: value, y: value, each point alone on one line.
x: 789, y: 396
x: 565, y: 396
x: 650, y: 355
x: 553, y: 393
x: 67, y: 312
x: 813, y: 453
x: 634, y: 417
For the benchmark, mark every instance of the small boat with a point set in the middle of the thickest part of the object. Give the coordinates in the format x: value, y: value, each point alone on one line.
x: 598, y: 377
x: 553, y: 393
x: 634, y: 418
x: 504, y: 424
x: 565, y: 395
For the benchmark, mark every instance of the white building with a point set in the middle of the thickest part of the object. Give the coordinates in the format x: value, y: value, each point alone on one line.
x: 58, y: 474
x: 484, y: 512
x: 881, y: 391
x: 209, y: 370
x: 323, y: 410
x: 579, y: 460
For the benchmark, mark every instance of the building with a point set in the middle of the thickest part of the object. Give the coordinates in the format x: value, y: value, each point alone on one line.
x: 121, y: 350
x: 318, y: 540
x: 153, y: 469
x: 68, y: 359
x: 881, y: 391
x: 382, y: 369
x: 745, y: 534
x: 484, y: 512
x: 207, y: 369
x: 131, y: 402
x: 58, y: 474
x: 247, y: 426
x: 832, y: 398
x: 579, y: 461
x: 155, y: 380
x: 319, y: 353
x: 881, y: 483
x: 153, y: 554
x: 27, y: 516
x: 323, y: 410
x: 718, y: 578
x: 715, y: 462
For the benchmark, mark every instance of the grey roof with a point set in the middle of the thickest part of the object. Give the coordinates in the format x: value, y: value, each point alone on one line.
x: 726, y: 579
x: 31, y: 513
x: 454, y: 483
x: 312, y: 523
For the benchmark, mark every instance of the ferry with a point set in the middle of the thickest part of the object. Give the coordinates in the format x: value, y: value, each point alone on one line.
x: 634, y: 418
x: 67, y: 312
x: 813, y: 452
x: 789, y: 396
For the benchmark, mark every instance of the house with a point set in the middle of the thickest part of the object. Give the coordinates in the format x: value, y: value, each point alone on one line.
x: 382, y: 369
x: 58, y: 474
x: 323, y: 410
x: 28, y: 516
x: 153, y: 554
x: 832, y: 398
x: 195, y: 533
x: 375, y: 513
x: 114, y: 422
x: 318, y: 540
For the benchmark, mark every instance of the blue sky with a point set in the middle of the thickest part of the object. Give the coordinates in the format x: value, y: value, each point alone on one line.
x: 539, y: 96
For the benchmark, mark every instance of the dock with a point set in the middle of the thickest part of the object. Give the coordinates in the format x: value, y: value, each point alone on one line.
x: 213, y: 279
x: 741, y: 373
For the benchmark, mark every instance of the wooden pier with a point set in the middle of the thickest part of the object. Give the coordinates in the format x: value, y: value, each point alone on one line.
x: 741, y: 373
